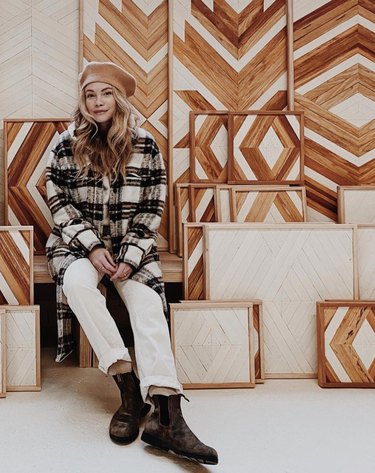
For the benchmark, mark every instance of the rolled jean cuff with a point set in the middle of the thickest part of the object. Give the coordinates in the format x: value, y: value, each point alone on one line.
x: 161, y: 381
x: 111, y: 356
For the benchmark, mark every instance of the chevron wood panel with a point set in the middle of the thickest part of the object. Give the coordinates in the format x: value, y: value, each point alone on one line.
x: 2, y: 354
x: 346, y: 344
x: 213, y: 345
x: 16, y: 268
x: 244, y: 43
x: 134, y: 34
x: 193, y: 261
x: 269, y: 204
x: 28, y: 144
x: 289, y: 267
x: 366, y: 261
x: 23, y: 348
x: 334, y: 64
x: 265, y: 147
x: 356, y: 204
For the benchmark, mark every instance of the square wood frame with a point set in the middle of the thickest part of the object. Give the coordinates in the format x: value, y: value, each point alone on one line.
x: 342, y: 203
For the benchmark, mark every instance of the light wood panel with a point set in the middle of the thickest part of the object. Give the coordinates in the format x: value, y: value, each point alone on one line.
x: 23, y: 348
x: 366, y: 261
x: 356, y: 204
x: 2, y: 354
x: 16, y: 265
x: 346, y: 344
x: 288, y: 267
x: 213, y: 345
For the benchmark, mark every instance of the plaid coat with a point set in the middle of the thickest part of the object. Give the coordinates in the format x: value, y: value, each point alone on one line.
x: 135, y: 208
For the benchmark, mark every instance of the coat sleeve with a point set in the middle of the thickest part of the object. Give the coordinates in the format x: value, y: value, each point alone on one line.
x: 76, y: 232
x: 143, y: 228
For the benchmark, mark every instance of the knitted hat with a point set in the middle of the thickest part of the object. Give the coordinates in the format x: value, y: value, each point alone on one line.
x: 109, y: 73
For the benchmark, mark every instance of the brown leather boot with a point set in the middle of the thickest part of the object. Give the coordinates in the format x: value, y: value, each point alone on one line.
x: 124, y: 426
x: 166, y: 429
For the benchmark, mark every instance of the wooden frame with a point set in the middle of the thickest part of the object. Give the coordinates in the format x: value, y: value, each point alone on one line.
x: 23, y: 348
x: 2, y: 354
x: 366, y: 260
x: 193, y: 170
x: 188, y: 307
x: 343, y: 193
x: 259, y: 136
x: 193, y: 261
x: 16, y: 272
x: 339, y: 363
x: 272, y: 278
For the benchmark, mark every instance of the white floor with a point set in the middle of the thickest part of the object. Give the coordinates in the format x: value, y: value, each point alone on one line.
x: 283, y: 426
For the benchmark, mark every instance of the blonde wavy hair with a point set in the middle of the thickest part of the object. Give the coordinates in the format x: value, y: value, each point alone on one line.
x: 104, y: 153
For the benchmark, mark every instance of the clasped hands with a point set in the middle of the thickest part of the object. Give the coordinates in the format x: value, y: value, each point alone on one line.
x: 102, y: 261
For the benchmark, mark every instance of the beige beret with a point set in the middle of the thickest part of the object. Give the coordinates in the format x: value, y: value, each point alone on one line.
x: 109, y: 73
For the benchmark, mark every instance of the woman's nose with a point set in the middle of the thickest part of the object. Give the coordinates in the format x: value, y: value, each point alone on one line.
x: 98, y: 100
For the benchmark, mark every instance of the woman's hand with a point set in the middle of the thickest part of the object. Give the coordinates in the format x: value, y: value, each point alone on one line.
x: 102, y: 261
x: 124, y: 271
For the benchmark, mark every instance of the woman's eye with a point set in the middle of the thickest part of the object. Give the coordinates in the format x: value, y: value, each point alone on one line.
x: 108, y: 93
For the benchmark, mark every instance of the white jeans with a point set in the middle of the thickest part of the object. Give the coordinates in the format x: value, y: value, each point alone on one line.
x: 154, y: 357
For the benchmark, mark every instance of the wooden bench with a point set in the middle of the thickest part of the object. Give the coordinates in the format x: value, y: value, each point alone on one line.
x: 172, y: 272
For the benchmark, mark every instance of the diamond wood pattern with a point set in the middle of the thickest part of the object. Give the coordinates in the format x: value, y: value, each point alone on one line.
x: 346, y: 344
x: 334, y: 64
x: 23, y: 348
x: 356, y: 204
x: 2, y: 354
x: 134, y: 34
x: 265, y: 148
x: 16, y: 265
x: 289, y: 267
x: 28, y: 144
x: 366, y: 261
x: 213, y: 345
x: 244, y: 43
x: 193, y: 262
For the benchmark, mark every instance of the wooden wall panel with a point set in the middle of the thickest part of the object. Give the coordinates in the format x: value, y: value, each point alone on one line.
x: 334, y: 64
x: 213, y: 344
x: 356, y: 204
x: 194, y: 287
x: 16, y: 265
x: 27, y: 146
x: 366, y: 261
x: 289, y: 267
x: 134, y: 34
x: 2, y: 354
x: 346, y: 344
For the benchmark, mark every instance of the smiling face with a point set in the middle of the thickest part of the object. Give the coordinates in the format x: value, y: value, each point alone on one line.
x: 100, y: 103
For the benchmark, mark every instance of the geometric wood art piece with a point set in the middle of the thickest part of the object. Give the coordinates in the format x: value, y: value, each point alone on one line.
x: 16, y: 265
x: 356, y: 204
x: 265, y: 147
x: 289, y: 267
x: 366, y: 261
x: 27, y: 146
x: 334, y: 64
x: 23, y: 348
x: 269, y: 204
x: 208, y: 147
x: 193, y: 261
x: 213, y: 344
x: 346, y: 344
x: 2, y: 354
x: 134, y: 35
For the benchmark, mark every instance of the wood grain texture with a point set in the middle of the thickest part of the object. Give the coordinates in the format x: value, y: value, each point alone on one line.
x: 16, y: 265
x: 28, y: 144
x: 356, y: 204
x: 194, y: 287
x: 134, y: 34
x: 346, y: 344
x: 334, y: 63
x: 288, y: 267
x: 2, y: 354
x: 213, y: 345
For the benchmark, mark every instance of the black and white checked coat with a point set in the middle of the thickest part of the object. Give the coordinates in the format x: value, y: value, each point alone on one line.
x: 135, y: 208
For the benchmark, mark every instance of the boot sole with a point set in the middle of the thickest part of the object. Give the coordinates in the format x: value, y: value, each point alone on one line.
x: 123, y: 440
x: 156, y: 442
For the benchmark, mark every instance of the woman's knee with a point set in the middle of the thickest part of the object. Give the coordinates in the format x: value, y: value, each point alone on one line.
x: 79, y: 276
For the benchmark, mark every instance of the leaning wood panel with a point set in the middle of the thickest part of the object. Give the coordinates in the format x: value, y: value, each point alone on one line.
x: 193, y: 261
x: 16, y: 265
x: 346, y: 344
x: 366, y: 261
x: 27, y: 146
x: 265, y: 147
x: 2, y: 354
x: 23, y: 348
x: 356, y: 204
x: 213, y: 345
x: 289, y: 267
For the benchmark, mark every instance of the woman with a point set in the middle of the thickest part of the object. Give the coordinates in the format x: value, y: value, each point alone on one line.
x: 106, y: 188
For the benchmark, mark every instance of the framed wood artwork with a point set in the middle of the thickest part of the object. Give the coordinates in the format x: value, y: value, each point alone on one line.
x: 356, y: 204
x: 289, y: 267
x: 2, y: 354
x: 23, y: 348
x: 265, y: 147
x: 16, y: 265
x: 213, y: 345
x: 346, y: 344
